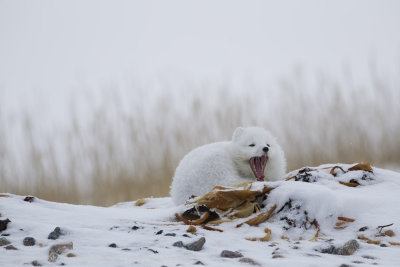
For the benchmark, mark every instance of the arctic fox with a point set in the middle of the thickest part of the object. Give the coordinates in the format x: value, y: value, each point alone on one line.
x: 253, y: 154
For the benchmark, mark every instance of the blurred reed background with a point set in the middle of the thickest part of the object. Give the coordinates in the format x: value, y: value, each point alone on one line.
x: 122, y: 152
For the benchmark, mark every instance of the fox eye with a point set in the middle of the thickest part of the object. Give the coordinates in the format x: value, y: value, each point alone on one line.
x: 252, y: 145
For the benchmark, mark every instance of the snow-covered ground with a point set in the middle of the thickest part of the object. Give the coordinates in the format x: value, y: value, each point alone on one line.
x: 144, y: 235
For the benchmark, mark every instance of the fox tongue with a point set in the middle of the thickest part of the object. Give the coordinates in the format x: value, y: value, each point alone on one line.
x: 259, y: 171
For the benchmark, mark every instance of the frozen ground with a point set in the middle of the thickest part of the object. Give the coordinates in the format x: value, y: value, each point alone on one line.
x: 144, y: 235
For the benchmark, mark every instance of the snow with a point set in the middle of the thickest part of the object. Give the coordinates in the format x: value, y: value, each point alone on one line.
x: 92, y: 229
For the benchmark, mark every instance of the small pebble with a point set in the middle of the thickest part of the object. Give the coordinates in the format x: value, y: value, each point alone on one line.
x: 198, y: 263
x: 362, y: 229
x: 35, y: 263
x: 135, y: 227
x: 29, y: 241
x: 276, y: 256
x: 112, y: 245
x: 231, y: 254
x: 368, y: 257
x: 178, y: 244
x: 55, y: 234
x: 344, y: 265
x: 29, y: 199
x: 186, y: 235
x: 159, y: 232
x: 196, y: 245
x: 348, y: 248
x: 152, y: 250
x: 383, y: 245
x: 11, y: 247
x: 170, y: 234
x: 71, y: 255
x: 4, y: 241
x: 249, y: 261
x: 3, y: 224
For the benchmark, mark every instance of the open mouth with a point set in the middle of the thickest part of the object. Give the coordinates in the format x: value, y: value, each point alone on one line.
x: 257, y: 164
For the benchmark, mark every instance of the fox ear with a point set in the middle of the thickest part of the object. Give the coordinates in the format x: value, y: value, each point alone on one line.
x: 237, y: 133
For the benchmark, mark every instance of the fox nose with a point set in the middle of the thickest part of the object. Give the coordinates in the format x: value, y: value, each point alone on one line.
x: 265, y: 149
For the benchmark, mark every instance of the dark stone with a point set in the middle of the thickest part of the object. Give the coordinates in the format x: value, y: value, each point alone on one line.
x: 5, y: 234
x: 159, y: 232
x: 312, y: 255
x: 29, y: 241
x: 198, y: 263
x: 328, y: 250
x: 186, y: 235
x: 277, y: 256
x: 29, y: 199
x: 112, y: 245
x: 55, y: 234
x: 362, y: 229
x: 4, y: 241
x: 196, y: 245
x: 35, y: 263
x: 3, y: 224
x: 135, y: 227
x: 11, y: 247
x: 178, y: 244
x: 170, y: 234
x: 249, y: 261
x: 348, y: 248
x: 383, y: 245
x: 231, y: 254
x: 345, y: 265
x: 368, y: 257
x: 126, y: 249
x: 152, y: 250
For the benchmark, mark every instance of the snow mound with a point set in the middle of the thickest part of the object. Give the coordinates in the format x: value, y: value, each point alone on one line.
x: 313, y: 218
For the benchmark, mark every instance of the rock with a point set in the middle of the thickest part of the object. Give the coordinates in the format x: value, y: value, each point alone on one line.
x: 55, y: 234
x: 249, y: 261
x: 5, y: 234
x: 112, y: 245
x: 29, y: 199
x: 277, y: 256
x: 135, y: 227
x: 198, y: 263
x: 362, y: 229
x: 368, y: 257
x: 170, y: 234
x: 152, y: 250
x: 159, y: 232
x: 11, y: 247
x: 231, y: 254
x: 29, y: 241
x: 330, y: 249
x: 178, y: 244
x: 186, y: 235
x: 36, y: 263
x: 348, y: 248
x: 383, y: 245
x: 196, y: 245
x: 3, y: 224
x: 4, y: 241
x: 344, y: 265
x: 55, y: 250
